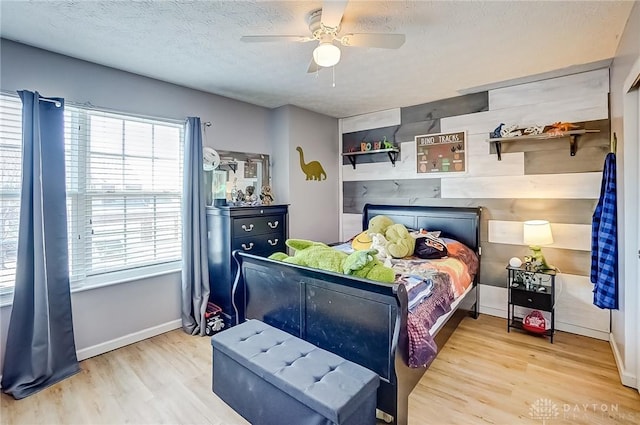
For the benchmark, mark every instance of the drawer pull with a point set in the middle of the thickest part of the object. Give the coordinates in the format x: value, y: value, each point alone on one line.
x: 247, y: 229
x: 273, y: 225
x: 273, y: 243
x: 530, y: 300
x: 247, y: 248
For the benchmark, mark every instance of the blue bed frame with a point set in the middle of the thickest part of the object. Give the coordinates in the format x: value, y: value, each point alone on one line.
x: 357, y: 319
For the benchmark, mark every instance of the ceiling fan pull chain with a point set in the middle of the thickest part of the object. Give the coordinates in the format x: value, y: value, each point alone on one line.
x: 333, y: 71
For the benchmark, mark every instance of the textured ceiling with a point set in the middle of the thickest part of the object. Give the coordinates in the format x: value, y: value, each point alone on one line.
x: 449, y: 45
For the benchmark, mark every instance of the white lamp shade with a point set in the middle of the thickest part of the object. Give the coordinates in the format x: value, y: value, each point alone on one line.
x: 537, y: 232
x: 326, y: 54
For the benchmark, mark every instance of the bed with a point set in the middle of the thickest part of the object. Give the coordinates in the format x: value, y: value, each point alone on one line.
x: 357, y: 319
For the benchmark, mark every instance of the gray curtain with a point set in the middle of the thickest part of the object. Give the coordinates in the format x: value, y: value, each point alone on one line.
x: 195, y: 269
x: 40, y: 348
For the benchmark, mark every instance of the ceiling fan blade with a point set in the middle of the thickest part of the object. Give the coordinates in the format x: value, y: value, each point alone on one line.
x: 313, y: 67
x: 332, y: 11
x: 270, y: 38
x: 382, y: 41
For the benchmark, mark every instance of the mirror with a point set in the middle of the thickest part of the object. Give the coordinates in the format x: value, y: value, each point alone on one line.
x: 238, y: 179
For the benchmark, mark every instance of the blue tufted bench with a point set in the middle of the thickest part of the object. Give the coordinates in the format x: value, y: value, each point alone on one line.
x: 271, y: 377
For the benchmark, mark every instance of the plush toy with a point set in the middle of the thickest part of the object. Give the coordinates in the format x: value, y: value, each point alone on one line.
x: 266, y: 196
x: 399, y: 241
x: 250, y: 196
x: 320, y: 256
x: 379, y: 243
x: 361, y: 241
x: 379, y: 224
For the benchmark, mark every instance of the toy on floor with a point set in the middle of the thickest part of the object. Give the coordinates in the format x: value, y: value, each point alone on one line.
x: 214, y: 322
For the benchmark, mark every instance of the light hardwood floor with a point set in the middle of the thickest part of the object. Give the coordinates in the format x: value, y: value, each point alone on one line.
x: 482, y: 376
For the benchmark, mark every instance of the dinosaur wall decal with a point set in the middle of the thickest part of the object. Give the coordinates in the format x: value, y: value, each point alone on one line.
x: 313, y: 170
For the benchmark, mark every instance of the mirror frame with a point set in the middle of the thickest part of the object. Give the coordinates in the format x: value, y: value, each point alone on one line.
x: 229, y: 162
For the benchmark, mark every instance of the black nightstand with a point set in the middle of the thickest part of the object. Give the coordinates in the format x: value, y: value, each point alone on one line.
x: 531, y: 289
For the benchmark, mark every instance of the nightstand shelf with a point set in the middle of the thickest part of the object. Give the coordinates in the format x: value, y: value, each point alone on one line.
x: 530, y: 289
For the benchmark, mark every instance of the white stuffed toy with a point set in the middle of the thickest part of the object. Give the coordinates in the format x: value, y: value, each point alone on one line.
x: 379, y: 242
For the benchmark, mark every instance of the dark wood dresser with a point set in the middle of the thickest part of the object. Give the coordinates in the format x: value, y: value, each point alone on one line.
x: 259, y: 230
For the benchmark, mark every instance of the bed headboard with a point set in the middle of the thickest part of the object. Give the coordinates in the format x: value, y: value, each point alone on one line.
x: 460, y: 223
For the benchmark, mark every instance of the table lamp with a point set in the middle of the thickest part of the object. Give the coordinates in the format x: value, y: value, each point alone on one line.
x: 535, y: 234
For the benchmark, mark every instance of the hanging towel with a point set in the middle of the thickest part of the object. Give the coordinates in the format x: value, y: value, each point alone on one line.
x: 604, y: 240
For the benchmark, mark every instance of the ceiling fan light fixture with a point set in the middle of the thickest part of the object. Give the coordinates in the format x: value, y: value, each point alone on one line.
x: 326, y: 54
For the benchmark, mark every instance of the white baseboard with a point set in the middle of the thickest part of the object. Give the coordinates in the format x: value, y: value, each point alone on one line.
x: 107, y: 346
x: 131, y: 338
x: 580, y: 330
x: 493, y: 301
x: 627, y: 379
x: 491, y: 311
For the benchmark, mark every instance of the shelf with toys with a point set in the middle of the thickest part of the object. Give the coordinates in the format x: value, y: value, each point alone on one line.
x: 370, y: 148
x: 555, y: 131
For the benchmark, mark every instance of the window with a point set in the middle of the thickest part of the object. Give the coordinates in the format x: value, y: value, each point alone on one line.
x: 124, y: 184
x: 10, y: 166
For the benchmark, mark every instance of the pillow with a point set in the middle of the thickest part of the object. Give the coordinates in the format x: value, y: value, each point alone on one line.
x: 429, y: 247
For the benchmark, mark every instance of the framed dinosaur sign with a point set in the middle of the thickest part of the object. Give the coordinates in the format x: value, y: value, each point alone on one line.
x: 441, y: 153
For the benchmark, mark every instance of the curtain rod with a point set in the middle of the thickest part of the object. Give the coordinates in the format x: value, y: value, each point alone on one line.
x: 55, y: 102
x: 90, y: 106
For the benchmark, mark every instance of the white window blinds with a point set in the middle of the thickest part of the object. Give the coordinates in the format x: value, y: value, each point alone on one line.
x: 10, y: 181
x: 124, y: 185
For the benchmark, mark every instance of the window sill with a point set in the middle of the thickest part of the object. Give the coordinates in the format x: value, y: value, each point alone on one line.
x: 6, y: 299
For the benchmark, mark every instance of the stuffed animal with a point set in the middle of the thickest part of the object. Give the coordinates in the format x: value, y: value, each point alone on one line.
x: 361, y: 241
x: 379, y: 243
x: 266, y: 196
x: 249, y: 194
x: 320, y: 256
x: 379, y: 224
x: 399, y: 242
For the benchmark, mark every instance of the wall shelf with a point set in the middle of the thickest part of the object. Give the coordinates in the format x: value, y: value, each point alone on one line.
x: 228, y: 165
x: 392, y: 152
x: 573, y: 136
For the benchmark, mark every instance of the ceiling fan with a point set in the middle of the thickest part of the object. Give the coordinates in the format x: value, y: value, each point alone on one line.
x: 324, y: 25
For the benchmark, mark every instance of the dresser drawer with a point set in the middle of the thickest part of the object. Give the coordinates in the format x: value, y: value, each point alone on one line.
x: 265, y: 244
x: 258, y: 225
x: 537, y: 300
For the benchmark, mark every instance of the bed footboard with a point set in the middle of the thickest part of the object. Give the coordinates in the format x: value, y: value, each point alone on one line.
x: 359, y: 320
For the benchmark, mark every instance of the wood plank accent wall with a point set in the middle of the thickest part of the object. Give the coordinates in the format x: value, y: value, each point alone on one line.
x: 534, y: 180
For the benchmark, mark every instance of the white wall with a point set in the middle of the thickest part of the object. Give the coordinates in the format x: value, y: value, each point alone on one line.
x: 314, y: 204
x: 313, y: 210
x: 109, y: 317
x: 280, y: 160
x: 625, y: 321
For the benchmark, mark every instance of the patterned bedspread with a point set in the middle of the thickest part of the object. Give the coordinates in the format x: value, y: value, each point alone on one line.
x: 432, y: 286
x: 442, y: 281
